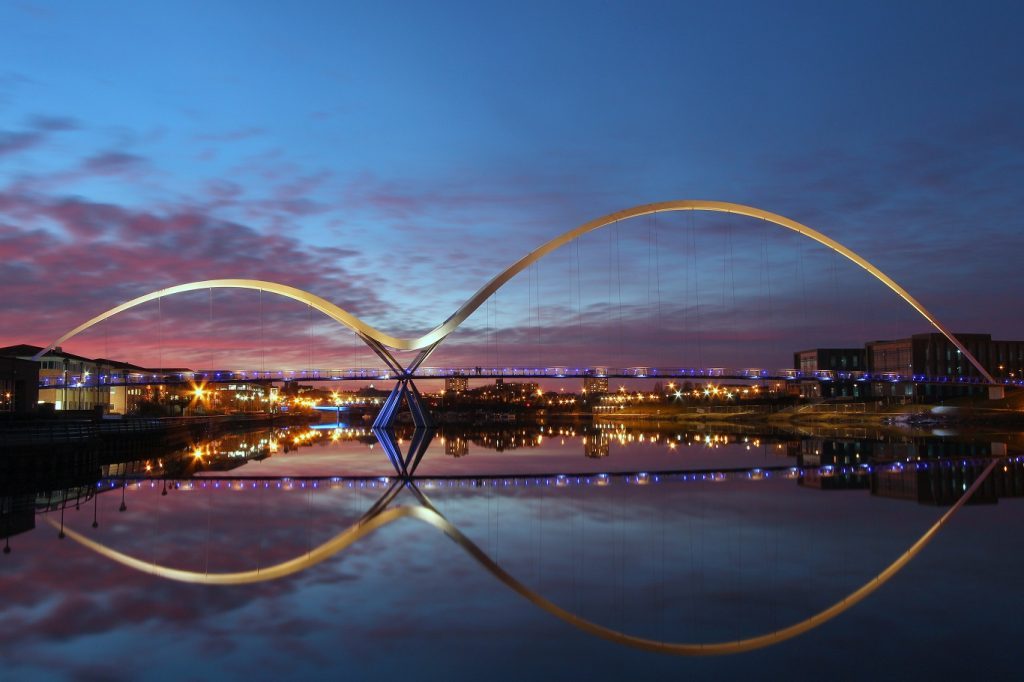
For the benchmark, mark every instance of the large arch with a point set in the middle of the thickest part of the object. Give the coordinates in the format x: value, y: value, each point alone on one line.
x: 376, y: 338
x: 380, y: 515
x: 437, y: 334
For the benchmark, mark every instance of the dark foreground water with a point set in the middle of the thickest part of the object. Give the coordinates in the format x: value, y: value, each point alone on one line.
x: 672, y: 536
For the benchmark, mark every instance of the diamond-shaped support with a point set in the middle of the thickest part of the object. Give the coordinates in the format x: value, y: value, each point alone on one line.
x: 405, y: 390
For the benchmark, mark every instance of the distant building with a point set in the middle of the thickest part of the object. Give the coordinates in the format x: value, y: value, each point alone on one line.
x: 513, y: 392
x: 931, y: 355
x: 595, y: 385
x: 123, y: 399
x: 920, y: 355
x: 896, y: 357
x: 67, y: 373
x: 831, y: 359
x: 457, y: 384
x: 19, y: 385
x: 934, y: 355
x: 69, y: 382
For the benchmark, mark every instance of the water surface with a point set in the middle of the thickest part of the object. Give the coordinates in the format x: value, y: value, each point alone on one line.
x: 670, y: 535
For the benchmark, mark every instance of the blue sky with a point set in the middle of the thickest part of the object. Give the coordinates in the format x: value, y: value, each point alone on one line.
x: 393, y: 158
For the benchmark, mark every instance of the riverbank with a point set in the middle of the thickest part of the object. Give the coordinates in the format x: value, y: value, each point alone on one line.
x: 853, y: 414
x: 19, y: 435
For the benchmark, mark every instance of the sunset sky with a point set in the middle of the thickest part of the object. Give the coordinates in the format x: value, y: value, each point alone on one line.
x: 392, y: 158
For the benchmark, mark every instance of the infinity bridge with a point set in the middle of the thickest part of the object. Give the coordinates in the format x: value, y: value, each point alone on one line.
x: 385, y: 345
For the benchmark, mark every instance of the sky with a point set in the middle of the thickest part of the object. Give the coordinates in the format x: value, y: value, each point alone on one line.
x: 394, y: 158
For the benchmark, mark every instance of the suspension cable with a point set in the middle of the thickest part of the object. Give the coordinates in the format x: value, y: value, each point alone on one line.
x: 768, y: 288
x: 618, y: 284
x: 696, y: 288
x: 263, y: 344
x: 657, y: 268
x: 579, y: 295
x: 536, y: 294
x: 209, y: 333
x: 160, y: 332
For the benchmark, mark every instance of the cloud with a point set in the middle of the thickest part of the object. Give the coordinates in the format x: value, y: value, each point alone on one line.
x: 53, y: 123
x: 112, y: 163
x: 11, y: 142
x: 66, y: 256
x: 231, y: 135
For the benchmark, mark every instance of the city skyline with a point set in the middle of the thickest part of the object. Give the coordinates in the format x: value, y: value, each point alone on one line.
x: 393, y: 169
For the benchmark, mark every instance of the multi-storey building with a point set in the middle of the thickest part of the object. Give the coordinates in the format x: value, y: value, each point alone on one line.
x: 19, y: 384
x: 457, y: 384
x: 595, y: 385
x: 68, y: 376
x: 833, y: 359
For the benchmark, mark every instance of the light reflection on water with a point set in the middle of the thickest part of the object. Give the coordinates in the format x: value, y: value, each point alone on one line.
x: 691, y: 560
x: 534, y: 450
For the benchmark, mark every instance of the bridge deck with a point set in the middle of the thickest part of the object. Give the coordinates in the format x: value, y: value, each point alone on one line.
x: 155, y: 377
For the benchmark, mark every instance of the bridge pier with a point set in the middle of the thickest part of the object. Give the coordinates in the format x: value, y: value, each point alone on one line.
x: 405, y: 390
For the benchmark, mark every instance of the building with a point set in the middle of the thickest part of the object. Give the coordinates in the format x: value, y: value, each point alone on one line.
x: 890, y: 357
x: 69, y: 382
x: 121, y: 397
x: 19, y: 385
x: 456, y: 384
x: 933, y: 355
x: 65, y: 378
x: 508, y: 393
x: 929, y: 355
x: 830, y: 359
x: 595, y: 385
x: 240, y: 397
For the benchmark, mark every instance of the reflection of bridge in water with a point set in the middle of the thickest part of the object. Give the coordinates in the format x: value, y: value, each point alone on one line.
x: 384, y: 512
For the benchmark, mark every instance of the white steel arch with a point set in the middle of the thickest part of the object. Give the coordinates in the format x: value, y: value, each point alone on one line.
x: 429, y: 340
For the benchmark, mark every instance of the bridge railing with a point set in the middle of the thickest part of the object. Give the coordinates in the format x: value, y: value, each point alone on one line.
x: 491, y: 372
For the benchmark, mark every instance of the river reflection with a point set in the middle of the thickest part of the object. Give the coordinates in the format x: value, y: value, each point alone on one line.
x: 391, y: 541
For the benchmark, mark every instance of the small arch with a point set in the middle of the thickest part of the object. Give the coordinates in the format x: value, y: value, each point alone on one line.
x: 336, y: 313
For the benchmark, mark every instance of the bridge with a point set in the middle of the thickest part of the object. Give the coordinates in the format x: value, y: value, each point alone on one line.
x: 385, y: 345
x: 156, y: 377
